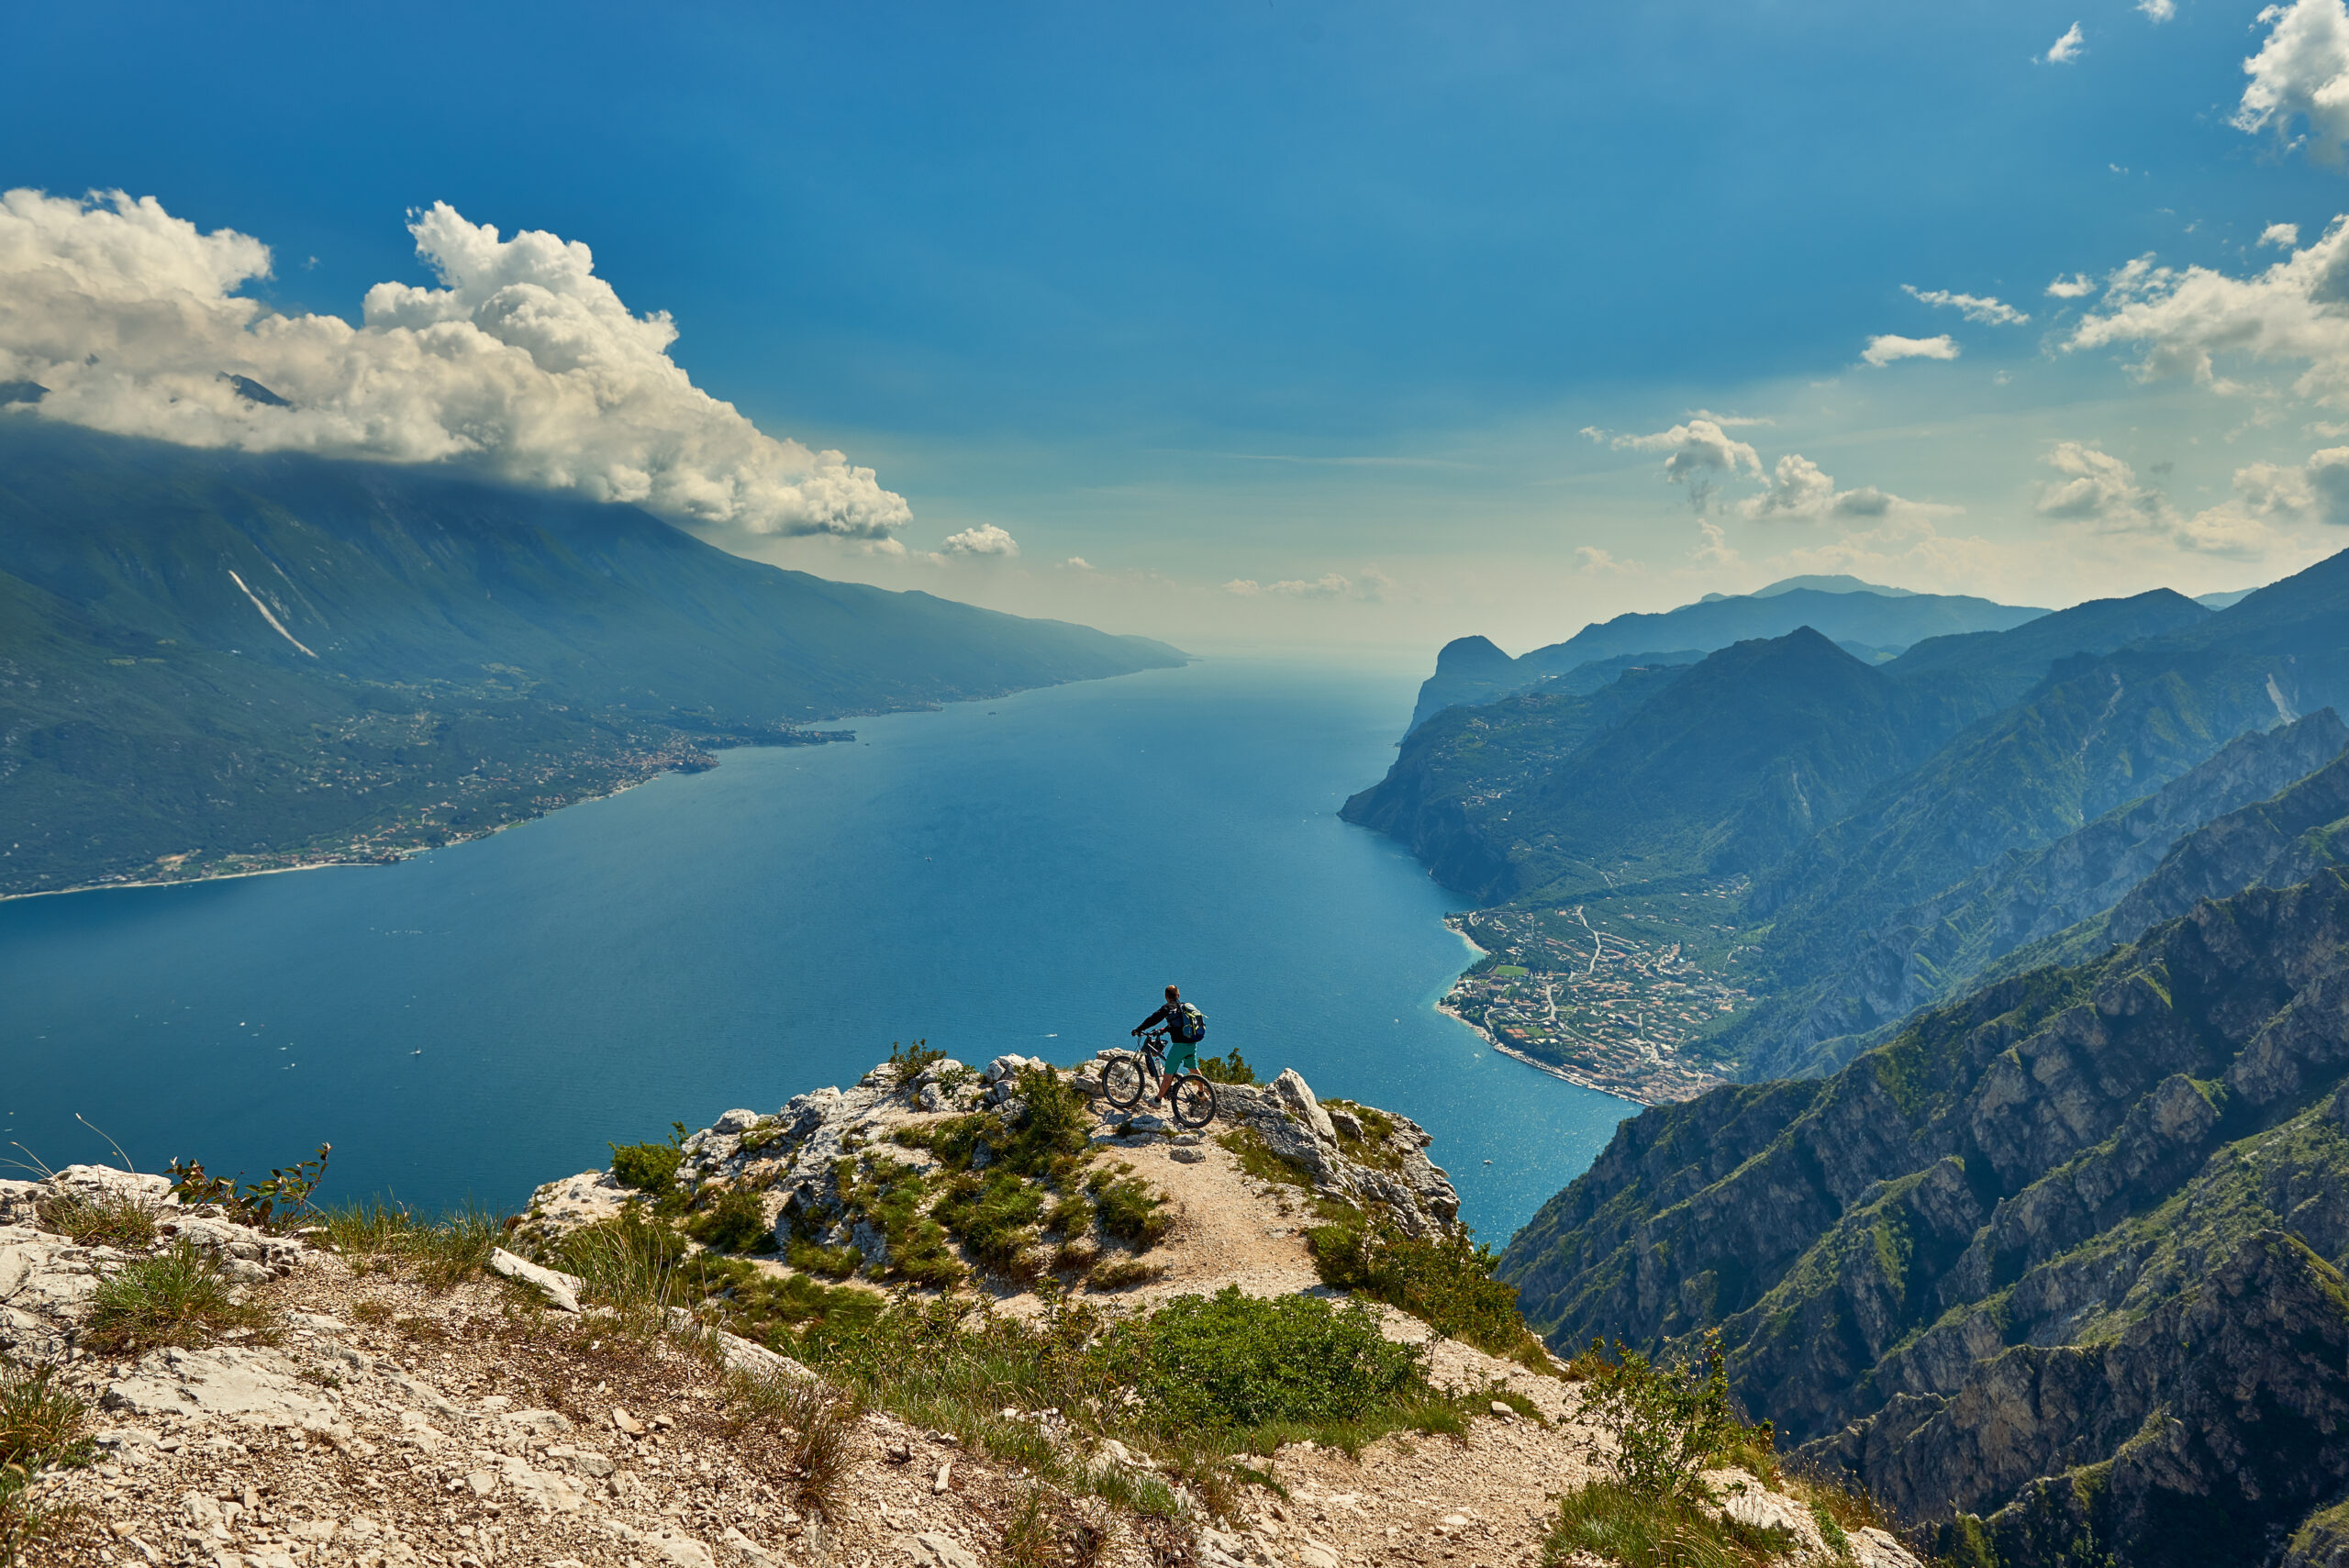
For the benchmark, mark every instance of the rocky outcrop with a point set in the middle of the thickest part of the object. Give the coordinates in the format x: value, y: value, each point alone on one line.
x: 2065, y: 1256
x: 794, y: 1159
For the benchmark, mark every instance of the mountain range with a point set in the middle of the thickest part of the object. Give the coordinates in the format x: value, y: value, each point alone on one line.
x: 212, y: 659
x: 1871, y: 620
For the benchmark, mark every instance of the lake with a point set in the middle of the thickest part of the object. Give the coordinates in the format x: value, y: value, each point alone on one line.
x: 1022, y: 875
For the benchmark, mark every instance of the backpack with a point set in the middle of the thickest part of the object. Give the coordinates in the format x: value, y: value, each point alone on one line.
x: 1187, y: 1024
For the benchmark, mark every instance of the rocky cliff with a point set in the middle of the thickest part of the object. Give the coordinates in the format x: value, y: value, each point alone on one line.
x: 2060, y: 1264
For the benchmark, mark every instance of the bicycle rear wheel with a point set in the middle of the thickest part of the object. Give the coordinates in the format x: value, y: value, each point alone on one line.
x: 1122, y: 1081
x: 1193, y: 1101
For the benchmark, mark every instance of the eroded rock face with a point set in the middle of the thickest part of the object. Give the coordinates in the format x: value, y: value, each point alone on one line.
x: 2066, y: 1255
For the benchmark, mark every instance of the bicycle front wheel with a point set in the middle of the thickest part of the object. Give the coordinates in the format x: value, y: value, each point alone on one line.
x: 1193, y: 1101
x: 1122, y: 1081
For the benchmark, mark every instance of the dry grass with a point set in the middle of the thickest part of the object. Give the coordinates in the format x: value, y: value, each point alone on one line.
x: 98, y: 1220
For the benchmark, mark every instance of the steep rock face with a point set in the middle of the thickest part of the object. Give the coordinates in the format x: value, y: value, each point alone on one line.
x: 1935, y: 947
x: 2273, y: 844
x: 2075, y: 1237
x: 1467, y: 670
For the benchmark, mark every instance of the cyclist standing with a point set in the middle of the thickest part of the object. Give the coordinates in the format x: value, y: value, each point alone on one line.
x: 1186, y: 1026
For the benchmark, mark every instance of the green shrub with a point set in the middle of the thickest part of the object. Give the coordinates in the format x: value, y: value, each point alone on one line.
x: 649, y: 1167
x: 1640, y: 1529
x: 1447, y: 1283
x: 1130, y: 1210
x: 264, y: 1205
x: 176, y: 1297
x: 993, y: 1220
x: 1670, y: 1422
x: 736, y: 1223
x: 1229, y: 1069
x: 832, y: 1263
x: 1052, y: 1125
x: 1238, y: 1360
x: 789, y: 1312
x: 907, y: 1062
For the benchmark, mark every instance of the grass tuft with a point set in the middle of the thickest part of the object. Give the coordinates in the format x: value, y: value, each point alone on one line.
x: 375, y: 1237
x: 798, y: 1431
x: 43, y: 1423
x: 1637, y: 1530
x: 176, y: 1297
x: 98, y: 1220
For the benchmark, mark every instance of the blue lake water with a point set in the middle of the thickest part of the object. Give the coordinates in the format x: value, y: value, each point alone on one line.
x: 1020, y: 875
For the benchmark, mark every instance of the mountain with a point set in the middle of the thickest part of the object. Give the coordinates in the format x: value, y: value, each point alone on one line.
x: 214, y: 654
x: 1943, y: 945
x: 2099, y: 733
x: 2061, y: 1266
x: 1472, y: 670
x: 1777, y: 746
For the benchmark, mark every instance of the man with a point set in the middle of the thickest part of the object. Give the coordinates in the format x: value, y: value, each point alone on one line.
x: 1185, y: 1027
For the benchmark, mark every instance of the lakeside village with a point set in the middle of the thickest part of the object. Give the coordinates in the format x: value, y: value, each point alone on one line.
x: 1597, y: 1005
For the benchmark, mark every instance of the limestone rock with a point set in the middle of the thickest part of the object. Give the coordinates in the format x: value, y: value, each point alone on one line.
x: 561, y: 1290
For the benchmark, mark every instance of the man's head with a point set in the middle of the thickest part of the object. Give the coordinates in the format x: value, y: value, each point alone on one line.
x: 1171, y: 993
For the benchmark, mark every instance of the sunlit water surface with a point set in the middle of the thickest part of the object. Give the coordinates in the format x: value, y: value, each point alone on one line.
x: 1020, y: 875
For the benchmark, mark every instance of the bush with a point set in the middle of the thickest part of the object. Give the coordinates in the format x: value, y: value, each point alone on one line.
x: 1447, y: 1283
x: 650, y: 1167
x: 266, y: 1205
x: 1670, y: 1422
x: 736, y: 1223
x: 907, y: 1062
x: 1053, y: 1124
x: 1121, y: 1273
x: 832, y: 1263
x: 1130, y: 1210
x: 178, y: 1297
x: 1228, y: 1068
x: 1237, y: 1360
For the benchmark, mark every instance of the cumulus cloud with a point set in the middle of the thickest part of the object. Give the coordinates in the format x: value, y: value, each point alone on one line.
x: 2157, y: 10
x: 1886, y: 346
x: 2072, y: 287
x: 2068, y: 48
x: 2103, y: 492
x: 1590, y: 558
x: 2287, y: 235
x: 521, y: 362
x: 984, y: 541
x: 1799, y: 492
x: 1697, y: 453
x: 2184, y: 321
x: 2299, y: 78
x: 1974, y: 307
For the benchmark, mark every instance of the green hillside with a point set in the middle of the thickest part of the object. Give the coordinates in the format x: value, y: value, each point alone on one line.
x: 217, y: 661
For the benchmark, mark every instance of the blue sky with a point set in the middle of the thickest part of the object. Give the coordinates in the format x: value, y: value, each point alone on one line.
x: 1322, y: 298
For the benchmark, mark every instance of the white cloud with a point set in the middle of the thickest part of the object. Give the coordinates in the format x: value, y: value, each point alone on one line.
x: 2068, y: 48
x: 1713, y: 547
x: 985, y: 541
x: 2158, y: 11
x: 2300, y: 75
x: 2072, y: 287
x: 522, y: 364
x: 1799, y: 492
x: 1886, y: 346
x: 1369, y: 589
x: 2184, y: 321
x: 2287, y: 235
x: 1590, y: 558
x: 2103, y: 492
x: 1697, y: 451
x: 1975, y: 307
x: 1730, y: 421
x: 1078, y: 564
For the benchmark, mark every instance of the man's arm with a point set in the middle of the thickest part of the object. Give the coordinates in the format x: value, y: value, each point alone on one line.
x: 1153, y: 1017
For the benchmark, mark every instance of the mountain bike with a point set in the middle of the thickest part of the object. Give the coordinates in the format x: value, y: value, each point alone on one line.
x: 1123, y: 1078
